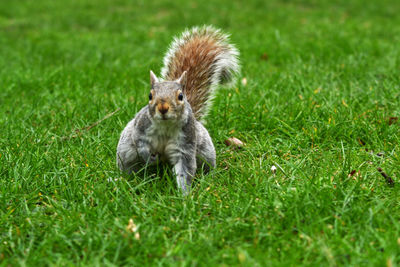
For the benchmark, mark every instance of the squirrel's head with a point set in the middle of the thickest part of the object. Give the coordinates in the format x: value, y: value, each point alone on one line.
x: 166, y: 98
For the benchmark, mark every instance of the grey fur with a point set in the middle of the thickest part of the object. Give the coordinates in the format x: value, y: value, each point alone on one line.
x: 167, y: 129
x: 180, y: 140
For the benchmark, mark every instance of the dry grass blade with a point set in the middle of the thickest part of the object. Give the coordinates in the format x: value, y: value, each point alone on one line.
x: 87, y: 128
x: 100, y: 121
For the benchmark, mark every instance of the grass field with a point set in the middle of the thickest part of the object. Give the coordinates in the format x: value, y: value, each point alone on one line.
x: 320, y: 104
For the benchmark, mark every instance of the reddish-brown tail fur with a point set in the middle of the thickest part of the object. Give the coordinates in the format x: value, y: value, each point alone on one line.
x: 209, y: 60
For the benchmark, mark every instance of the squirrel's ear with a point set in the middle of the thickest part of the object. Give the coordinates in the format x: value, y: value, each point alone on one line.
x: 153, y: 78
x: 182, y: 79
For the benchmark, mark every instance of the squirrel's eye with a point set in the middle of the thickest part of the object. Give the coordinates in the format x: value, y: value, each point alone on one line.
x: 180, y: 97
x: 150, y: 96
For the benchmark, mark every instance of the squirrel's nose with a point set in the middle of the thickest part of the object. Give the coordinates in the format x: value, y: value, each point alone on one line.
x: 163, y: 108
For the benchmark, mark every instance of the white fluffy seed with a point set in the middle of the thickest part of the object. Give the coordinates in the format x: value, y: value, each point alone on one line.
x: 273, y: 169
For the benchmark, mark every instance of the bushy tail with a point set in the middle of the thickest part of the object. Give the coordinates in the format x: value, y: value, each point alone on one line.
x: 210, y: 61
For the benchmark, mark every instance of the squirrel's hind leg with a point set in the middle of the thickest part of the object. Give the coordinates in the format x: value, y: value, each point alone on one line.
x: 127, y: 159
x: 205, y: 149
x: 127, y: 156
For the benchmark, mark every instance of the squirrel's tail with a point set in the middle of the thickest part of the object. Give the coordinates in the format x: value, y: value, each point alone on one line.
x: 210, y: 61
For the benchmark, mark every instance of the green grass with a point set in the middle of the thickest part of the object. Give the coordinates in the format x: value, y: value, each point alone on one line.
x: 322, y: 78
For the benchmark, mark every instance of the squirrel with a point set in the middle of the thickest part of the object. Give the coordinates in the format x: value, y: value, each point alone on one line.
x: 169, y: 128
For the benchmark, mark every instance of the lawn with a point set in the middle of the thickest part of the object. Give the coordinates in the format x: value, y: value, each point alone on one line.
x: 320, y: 103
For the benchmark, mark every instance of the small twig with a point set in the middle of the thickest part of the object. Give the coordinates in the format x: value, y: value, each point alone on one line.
x: 389, y: 180
x: 99, y: 121
x: 87, y: 128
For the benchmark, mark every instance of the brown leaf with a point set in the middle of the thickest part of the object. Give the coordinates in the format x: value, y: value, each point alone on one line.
x: 233, y: 141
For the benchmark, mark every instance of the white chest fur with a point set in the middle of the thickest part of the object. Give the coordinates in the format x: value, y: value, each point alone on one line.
x: 164, y: 138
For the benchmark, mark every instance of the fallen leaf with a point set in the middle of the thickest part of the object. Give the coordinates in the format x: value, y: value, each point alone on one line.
x: 233, y: 141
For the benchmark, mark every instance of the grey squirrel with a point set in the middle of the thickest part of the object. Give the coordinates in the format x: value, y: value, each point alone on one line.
x: 169, y: 128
